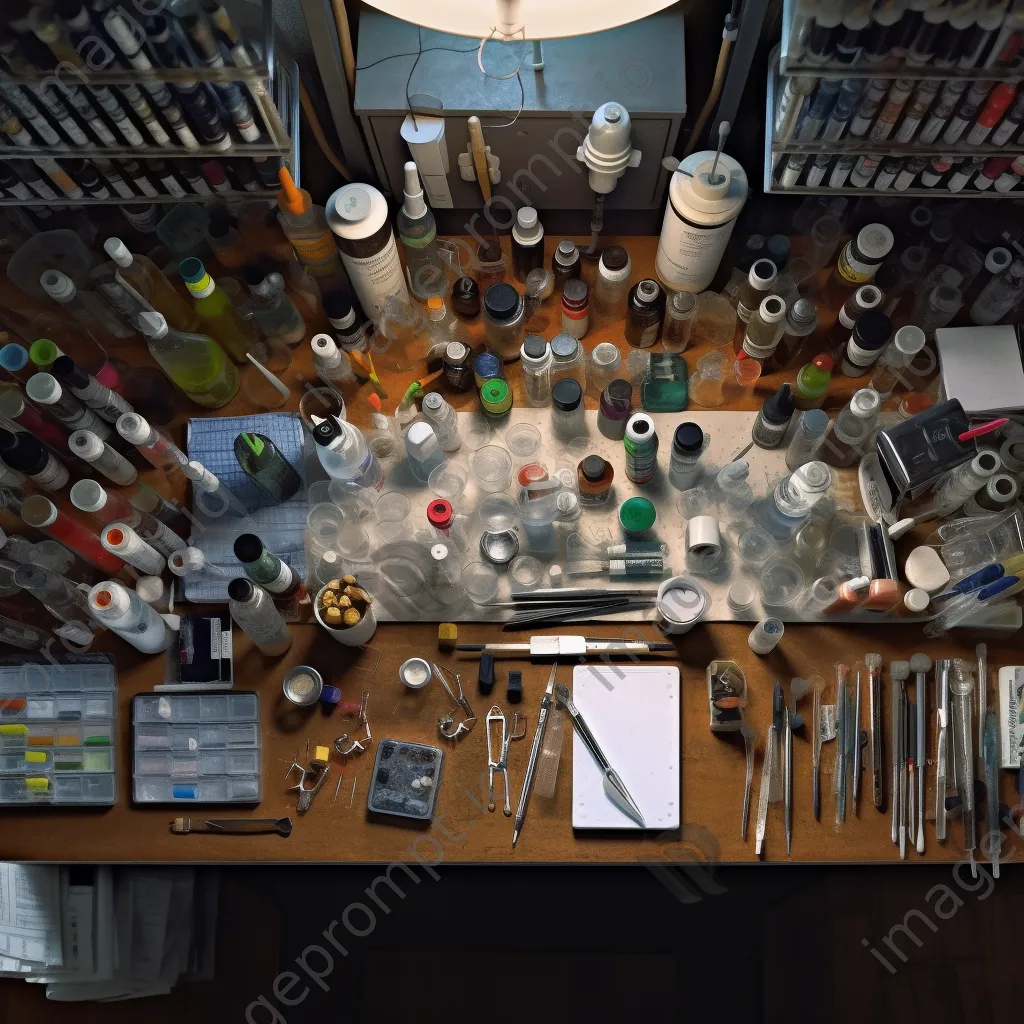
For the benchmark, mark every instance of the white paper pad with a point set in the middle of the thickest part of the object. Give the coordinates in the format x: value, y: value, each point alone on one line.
x: 981, y: 366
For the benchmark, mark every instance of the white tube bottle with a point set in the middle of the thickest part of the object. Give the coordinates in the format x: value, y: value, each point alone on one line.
x: 123, y: 611
x: 121, y: 540
x: 252, y: 608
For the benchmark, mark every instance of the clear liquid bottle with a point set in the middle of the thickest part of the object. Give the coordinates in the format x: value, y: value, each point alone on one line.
x: 195, y: 362
x: 418, y: 233
x: 344, y: 453
x: 444, y: 419
x: 148, y: 280
x: 217, y: 311
x: 332, y: 363
x: 895, y: 358
x: 535, y: 358
x: 123, y: 611
x: 999, y: 296
x: 790, y: 505
x: 252, y: 609
x: 847, y: 439
x: 611, y: 289
x: 275, y: 313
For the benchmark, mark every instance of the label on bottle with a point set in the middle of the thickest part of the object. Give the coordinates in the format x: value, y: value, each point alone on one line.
x: 852, y: 270
x: 173, y: 186
x: 375, y: 275
x: 314, y: 251
x: 281, y: 582
x: 744, y: 312
x: 689, y: 253
x: 845, y: 320
x: 857, y: 359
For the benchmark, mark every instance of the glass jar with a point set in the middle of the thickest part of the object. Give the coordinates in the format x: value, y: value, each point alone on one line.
x: 611, y: 290
x: 680, y: 316
x: 535, y: 356
x: 594, y: 480
x: 567, y: 412
x: 565, y: 262
x: 458, y: 367
x: 490, y: 263
x: 567, y: 359
x: 575, y: 308
x: 614, y: 409
x: 604, y: 364
x: 466, y: 298
x: 504, y: 321
x: 645, y: 310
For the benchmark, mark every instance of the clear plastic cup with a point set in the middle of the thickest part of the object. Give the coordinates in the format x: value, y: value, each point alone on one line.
x: 693, y: 502
x: 448, y: 480
x: 356, y: 503
x: 603, y: 366
x: 353, y: 542
x: 525, y: 572
x: 323, y: 526
x: 747, y: 371
x: 477, y: 433
x: 392, y: 507
x: 782, y: 583
x: 492, y: 468
x: 523, y: 442
x: 755, y: 547
x: 498, y: 513
x: 708, y: 381
x: 480, y: 581
x: 320, y: 402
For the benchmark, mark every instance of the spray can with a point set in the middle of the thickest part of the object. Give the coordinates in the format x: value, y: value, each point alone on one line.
x: 358, y: 215
x: 699, y: 218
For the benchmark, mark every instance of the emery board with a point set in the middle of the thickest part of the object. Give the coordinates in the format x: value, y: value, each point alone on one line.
x: 634, y: 711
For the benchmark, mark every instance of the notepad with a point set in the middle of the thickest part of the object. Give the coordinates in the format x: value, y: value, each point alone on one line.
x: 982, y: 367
x: 634, y: 711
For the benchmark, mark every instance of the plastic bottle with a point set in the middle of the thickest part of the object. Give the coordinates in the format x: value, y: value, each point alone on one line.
x: 154, y: 445
x: 871, y: 333
x: 611, y: 289
x: 536, y: 360
x: 773, y: 420
x: 41, y: 513
x: 504, y: 320
x: 109, y: 405
x: 783, y: 511
x: 444, y: 419
x: 999, y: 296
x: 527, y: 243
x: 568, y: 360
x: 423, y: 452
x: 895, y: 358
x: 264, y: 568
x: 263, y: 463
x: 252, y: 609
x: 418, y: 232
x: 575, y: 308
x: 345, y: 455
x: 307, y: 230
x: 121, y: 540
x: 565, y: 262
x: 847, y: 438
x: 444, y: 326
x: 95, y: 317
x: 864, y: 298
x: 276, y: 314
x: 13, y: 407
x: 44, y: 390
x: 27, y: 454
x: 217, y: 311
x: 210, y: 494
x: 699, y: 219
x: 801, y: 322
x: 764, y: 329
x: 331, y: 363
x: 148, y: 281
x: 195, y: 362
x: 755, y: 288
x: 644, y: 313
x: 458, y: 367
x: 812, y: 382
x: 358, y: 216
x: 965, y: 481
x: 807, y: 438
x: 123, y: 611
x: 349, y: 333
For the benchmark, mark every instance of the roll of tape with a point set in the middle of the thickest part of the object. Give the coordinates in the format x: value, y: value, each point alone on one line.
x: 681, y: 603
x: 703, y: 536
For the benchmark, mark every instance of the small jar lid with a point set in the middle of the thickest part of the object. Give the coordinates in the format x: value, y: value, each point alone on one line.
x: 566, y: 395
x: 535, y: 347
x: 615, y: 257
x: 439, y: 513
x: 689, y: 438
x: 456, y: 352
x: 564, y: 346
x: 637, y: 515
x: 566, y: 252
x: 486, y: 364
x: 648, y: 290
x: 495, y: 395
x: 501, y: 301
x: 619, y: 390
x: 488, y: 252
x: 873, y: 329
x: 574, y: 292
x: 593, y: 468
x: 874, y: 241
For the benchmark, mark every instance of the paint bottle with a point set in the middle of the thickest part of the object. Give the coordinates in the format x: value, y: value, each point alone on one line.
x: 88, y: 447
x: 124, y: 612
x: 358, y: 215
x: 846, y: 440
x: 859, y: 260
x: 764, y: 329
x: 641, y: 446
x: 645, y: 311
x: 870, y: 335
x: 121, y: 540
x: 527, y: 243
x: 773, y: 420
x: 760, y: 278
x: 305, y: 225
x: 565, y: 262
x: 27, y: 454
x: 699, y: 219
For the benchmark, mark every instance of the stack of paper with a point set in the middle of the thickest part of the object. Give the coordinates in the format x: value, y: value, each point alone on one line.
x: 982, y: 367
x: 102, y: 933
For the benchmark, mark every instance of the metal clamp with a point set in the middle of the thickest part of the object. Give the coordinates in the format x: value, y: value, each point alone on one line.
x: 494, y: 716
x: 447, y: 725
x: 356, y: 746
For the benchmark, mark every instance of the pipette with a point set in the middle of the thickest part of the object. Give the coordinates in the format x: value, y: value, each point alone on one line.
x: 960, y: 685
x: 920, y: 665
x: 856, y: 747
x: 900, y: 673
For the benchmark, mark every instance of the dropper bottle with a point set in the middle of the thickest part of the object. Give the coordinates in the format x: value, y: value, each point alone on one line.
x: 307, y: 230
x: 418, y: 232
x: 801, y: 323
x: 847, y: 438
x: 812, y: 382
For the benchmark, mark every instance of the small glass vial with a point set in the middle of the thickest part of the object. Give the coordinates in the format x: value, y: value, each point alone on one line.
x: 466, y: 298
x: 527, y: 243
x: 504, y: 321
x: 252, y: 609
x: 604, y: 364
x: 871, y: 333
x: 594, y: 480
x: 490, y: 265
x: 535, y: 357
x: 764, y: 329
x: 565, y: 262
x: 567, y: 359
x: 614, y: 409
x: 680, y: 316
x: 611, y: 290
x: 575, y: 308
x: 458, y: 367
x: 759, y: 282
x: 773, y: 420
x: 801, y: 323
x: 644, y: 314
x: 445, y: 421
x: 765, y: 635
x: 567, y: 412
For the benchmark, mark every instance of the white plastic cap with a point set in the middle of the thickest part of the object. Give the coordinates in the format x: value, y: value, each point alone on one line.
x: 414, y: 205
x: 38, y: 511
x: 151, y: 589
x: 909, y: 340
x: 999, y: 258
x: 420, y: 438
x: 86, y: 445
x: 43, y: 388
x: 916, y: 600
x: 109, y: 599
x: 186, y: 560
x: 133, y: 427
x: 865, y: 403
x: 875, y: 241
x: 57, y: 285
x: 88, y: 495
x: 152, y: 325
x: 118, y: 537
x: 203, y: 478
x: 118, y: 252
x: 772, y: 309
x: 323, y: 345
x: 528, y: 224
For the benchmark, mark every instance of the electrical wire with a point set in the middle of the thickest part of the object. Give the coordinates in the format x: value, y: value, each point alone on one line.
x: 318, y: 132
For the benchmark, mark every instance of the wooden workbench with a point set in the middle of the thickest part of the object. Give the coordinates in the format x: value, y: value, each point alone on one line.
x: 464, y: 831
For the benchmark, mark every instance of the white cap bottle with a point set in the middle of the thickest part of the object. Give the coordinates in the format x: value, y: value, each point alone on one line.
x: 124, y: 612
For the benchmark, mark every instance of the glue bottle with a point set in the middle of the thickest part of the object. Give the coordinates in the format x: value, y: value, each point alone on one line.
x: 123, y: 611
x: 418, y: 231
x: 307, y: 230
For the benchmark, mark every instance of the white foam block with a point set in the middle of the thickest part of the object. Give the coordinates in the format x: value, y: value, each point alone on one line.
x: 982, y: 367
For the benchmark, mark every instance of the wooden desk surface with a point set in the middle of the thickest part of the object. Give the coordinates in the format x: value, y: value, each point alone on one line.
x: 463, y: 830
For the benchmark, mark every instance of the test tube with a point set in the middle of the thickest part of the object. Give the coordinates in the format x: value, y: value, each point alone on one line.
x: 765, y: 635
x: 120, y: 539
x: 41, y: 513
x: 154, y: 445
x: 191, y: 561
x: 88, y: 447
x: 44, y: 389
x: 810, y: 432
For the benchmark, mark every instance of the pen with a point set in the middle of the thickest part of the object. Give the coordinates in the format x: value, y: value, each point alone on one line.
x: 967, y: 604
x: 542, y: 720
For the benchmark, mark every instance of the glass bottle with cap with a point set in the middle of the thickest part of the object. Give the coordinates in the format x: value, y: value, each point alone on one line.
x: 466, y: 298
x: 261, y: 460
x: 348, y: 332
x: 680, y: 316
x: 863, y: 299
x: 689, y: 442
x: 418, y: 231
x: 594, y: 480
x: 760, y: 278
x: 567, y: 359
x: 801, y: 323
x: 490, y: 265
x: 858, y: 261
x: 773, y: 420
x: 847, y: 439
x: 895, y: 358
x: 458, y: 367
x: 504, y: 321
x: 331, y: 362
x: 611, y: 289
x: 871, y: 333
x: 645, y: 310
x: 252, y: 609
x: 535, y: 357
x: 614, y: 409
x: 262, y: 566
x: 812, y: 382
x: 275, y: 313
x: 575, y: 308
x: 527, y: 243
x: 195, y: 362
x: 565, y: 262
x: 218, y: 313
x: 567, y: 411
x: 790, y: 504
x: 764, y: 329
x: 151, y: 283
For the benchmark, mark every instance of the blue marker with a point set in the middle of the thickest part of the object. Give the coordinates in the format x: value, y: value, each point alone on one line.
x: 981, y: 578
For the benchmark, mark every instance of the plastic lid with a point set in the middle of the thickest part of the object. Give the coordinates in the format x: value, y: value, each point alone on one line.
x: 648, y: 290
x: 38, y: 511
x: 575, y: 291
x: 465, y: 288
x: 109, y: 597
x: 487, y: 364
x: 637, y: 515
x: 152, y: 325
x: 57, y: 285
x: 689, y: 438
x: 43, y: 352
x: 802, y: 314
x: 909, y: 340
x: 874, y: 241
x: 916, y: 600
x: 619, y: 391
x: 494, y: 392
x: 43, y: 388
x: 528, y: 226
x: 88, y: 495
x: 132, y: 427
x: 65, y: 366
x: 865, y: 403
x: 873, y: 329
x: 439, y: 513
x: 593, y: 468
x: 192, y: 270
x: 501, y: 301
x: 534, y: 347
x: 118, y: 252
x: 762, y: 274
x: 615, y: 257
x: 248, y: 547
x: 824, y: 363
x: 779, y: 407
x: 683, y: 303
x: 150, y: 588
x: 566, y: 252
x: 564, y: 346
x: 13, y: 357
x: 186, y: 560
x: 566, y: 394
x: 241, y: 589
x: 772, y: 309
x: 337, y: 305
x: 433, y: 401
x: 455, y: 352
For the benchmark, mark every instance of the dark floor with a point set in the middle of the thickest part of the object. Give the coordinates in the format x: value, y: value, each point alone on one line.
x: 764, y: 944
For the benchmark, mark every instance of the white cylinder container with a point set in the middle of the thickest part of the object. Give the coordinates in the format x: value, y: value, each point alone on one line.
x: 353, y: 636
x: 123, y: 611
x: 681, y: 603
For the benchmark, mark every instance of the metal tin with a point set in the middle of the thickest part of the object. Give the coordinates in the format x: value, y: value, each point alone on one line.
x: 499, y: 548
x: 415, y: 673
x: 299, y: 699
